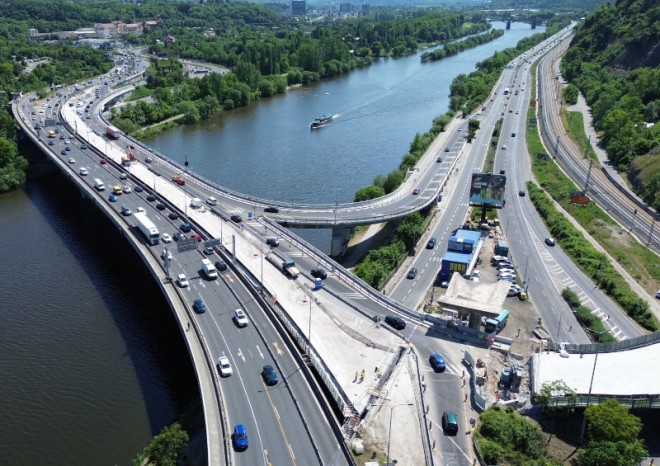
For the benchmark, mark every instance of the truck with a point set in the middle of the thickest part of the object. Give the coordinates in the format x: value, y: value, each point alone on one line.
x: 287, y: 266
x: 498, y: 323
x: 112, y: 132
x: 147, y: 228
x: 209, y: 269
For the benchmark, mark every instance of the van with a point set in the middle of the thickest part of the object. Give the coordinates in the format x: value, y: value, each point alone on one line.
x: 98, y: 184
x: 196, y: 203
x: 116, y: 190
x: 450, y: 422
x: 209, y: 269
x: 211, y: 201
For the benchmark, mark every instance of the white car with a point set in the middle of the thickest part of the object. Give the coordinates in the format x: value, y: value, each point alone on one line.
x: 67, y: 141
x: 166, y: 238
x: 83, y: 171
x: 127, y: 189
x: 183, y: 280
x: 72, y: 160
x: 240, y: 317
x: 224, y: 366
x: 140, y: 209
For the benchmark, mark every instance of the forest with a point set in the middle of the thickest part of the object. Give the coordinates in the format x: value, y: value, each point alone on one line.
x: 614, y: 60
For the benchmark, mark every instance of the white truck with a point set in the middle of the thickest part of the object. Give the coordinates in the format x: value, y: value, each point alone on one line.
x: 147, y: 228
x: 209, y: 269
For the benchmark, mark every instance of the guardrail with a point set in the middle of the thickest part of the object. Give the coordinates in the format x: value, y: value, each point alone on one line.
x: 611, y: 347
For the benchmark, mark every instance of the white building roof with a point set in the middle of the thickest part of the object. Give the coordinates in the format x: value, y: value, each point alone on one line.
x: 631, y: 372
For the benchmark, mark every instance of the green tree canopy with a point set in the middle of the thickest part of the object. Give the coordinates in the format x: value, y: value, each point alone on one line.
x: 611, y: 421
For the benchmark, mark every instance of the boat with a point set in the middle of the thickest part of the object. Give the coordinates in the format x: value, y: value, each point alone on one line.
x: 320, y: 122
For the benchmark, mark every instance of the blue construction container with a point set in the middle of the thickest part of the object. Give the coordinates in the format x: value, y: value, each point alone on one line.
x: 454, y: 262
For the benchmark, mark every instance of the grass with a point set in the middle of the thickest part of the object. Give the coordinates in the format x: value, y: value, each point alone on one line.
x: 574, y: 123
x: 640, y: 262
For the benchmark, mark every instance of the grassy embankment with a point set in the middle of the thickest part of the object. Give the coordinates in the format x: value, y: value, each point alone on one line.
x: 642, y: 264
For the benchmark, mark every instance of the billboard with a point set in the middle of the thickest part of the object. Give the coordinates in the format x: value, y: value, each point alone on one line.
x: 579, y: 198
x: 487, y: 189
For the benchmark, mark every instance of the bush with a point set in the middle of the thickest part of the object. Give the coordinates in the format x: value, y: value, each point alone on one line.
x: 516, y: 437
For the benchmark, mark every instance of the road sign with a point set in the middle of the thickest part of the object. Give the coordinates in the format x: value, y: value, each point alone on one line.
x: 187, y: 244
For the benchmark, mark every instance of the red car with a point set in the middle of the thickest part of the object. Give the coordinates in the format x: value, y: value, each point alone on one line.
x: 415, y: 191
x: 178, y: 179
x: 103, y: 162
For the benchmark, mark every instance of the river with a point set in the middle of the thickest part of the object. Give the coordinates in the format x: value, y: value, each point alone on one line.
x: 93, y: 365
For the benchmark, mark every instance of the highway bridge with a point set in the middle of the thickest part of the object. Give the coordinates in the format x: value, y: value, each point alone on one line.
x: 343, y: 313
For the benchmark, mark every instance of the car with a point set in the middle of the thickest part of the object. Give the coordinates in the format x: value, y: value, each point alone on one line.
x: 148, y: 160
x: 507, y: 273
x: 173, y: 215
x: 504, y: 265
x: 63, y: 152
x: 550, y: 241
x: 521, y: 193
x: 83, y: 171
x: 224, y: 366
x: 236, y: 218
x: 510, y: 111
x: 160, y: 206
x: 178, y: 179
x: 183, y: 280
x: 269, y: 375
x: 126, y: 211
x: 211, y: 201
x: 166, y: 238
x: 395, y: 321
x: 437, y: 362
x: 319, y: 273
x: 450, y: 422
x: 240, y: 317
x: 495, y: 259
x: 67, y: 141
x: 513, y: 291
x: 83, y: 146
x: 240, y: 438
x: 517, y: 112
x: 444, y: 284
x: 221, y: 265
x: 178, y: 236
x: 151, y: 198
x: 431, y: 243
x: 446, y: 149
x: 140, y: 209
x: 197, y: 236
x: 504, y: 147
x: 199, y: 306
x: 513, y: 135
x: 103, y: 161
x: 68, y: 149
x: 412, y: 273
x: 507, y: 278
x: 505, y: 268
x: 123, y: 176
x: 415, y: 191
x: 438, y: 160
x: 51, y: 143
x: 502, y: 171
x: 138, y: 188
x: 271, y: 210
x: 185, y: 227
x: 112, y: 198
x: 126, y: 189
x: 208, y: 250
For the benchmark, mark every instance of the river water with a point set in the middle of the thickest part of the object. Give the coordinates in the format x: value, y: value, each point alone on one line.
x: 92, y: 362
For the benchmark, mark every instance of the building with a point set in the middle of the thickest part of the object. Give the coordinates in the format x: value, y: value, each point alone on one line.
x: 298, y: 7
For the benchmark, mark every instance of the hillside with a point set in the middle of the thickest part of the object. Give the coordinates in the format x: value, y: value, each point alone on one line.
x: 614, y: 59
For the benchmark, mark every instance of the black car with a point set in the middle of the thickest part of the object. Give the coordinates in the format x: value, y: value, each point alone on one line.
x: 178, y: 236
x: 521, y: 193
x: 173, y: 215
x: 319, y: 273
x: 83, y: 146
x: 446, y: 149
x: 269, y: 374
x: 236, y: 218
x: 396, y: 322
x: 271, y: 209
x: 432, y: 242
x: 151, y: 198
x: 199, y: 306
x: 412, y: 273
x: 160, y: 206
x: 138, y: 188
x: 221, y: 265
x: 439, y: 160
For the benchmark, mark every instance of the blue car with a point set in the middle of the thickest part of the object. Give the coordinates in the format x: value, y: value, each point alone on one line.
x: 185, y: 227
x: 240, y: 437
x: 112, y: 198
x: 270, y: 376
x: 437, y: 362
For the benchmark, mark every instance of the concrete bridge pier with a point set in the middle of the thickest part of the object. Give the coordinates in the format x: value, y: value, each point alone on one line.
x: 340, y: 238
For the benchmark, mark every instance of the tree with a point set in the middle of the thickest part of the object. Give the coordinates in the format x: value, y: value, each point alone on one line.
x: 165, y: 448
x: 612, y: 454
x: 368, y: 192
x: 552, y: 389
x: 611, y: 421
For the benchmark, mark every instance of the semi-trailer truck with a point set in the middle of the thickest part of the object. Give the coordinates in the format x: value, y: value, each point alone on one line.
x: 147, y: 227
x: 287, y: 266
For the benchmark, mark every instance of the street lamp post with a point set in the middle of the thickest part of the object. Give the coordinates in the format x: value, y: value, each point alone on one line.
x: 591, y: 384
x: 185, y: 190
x: 389, y: 435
